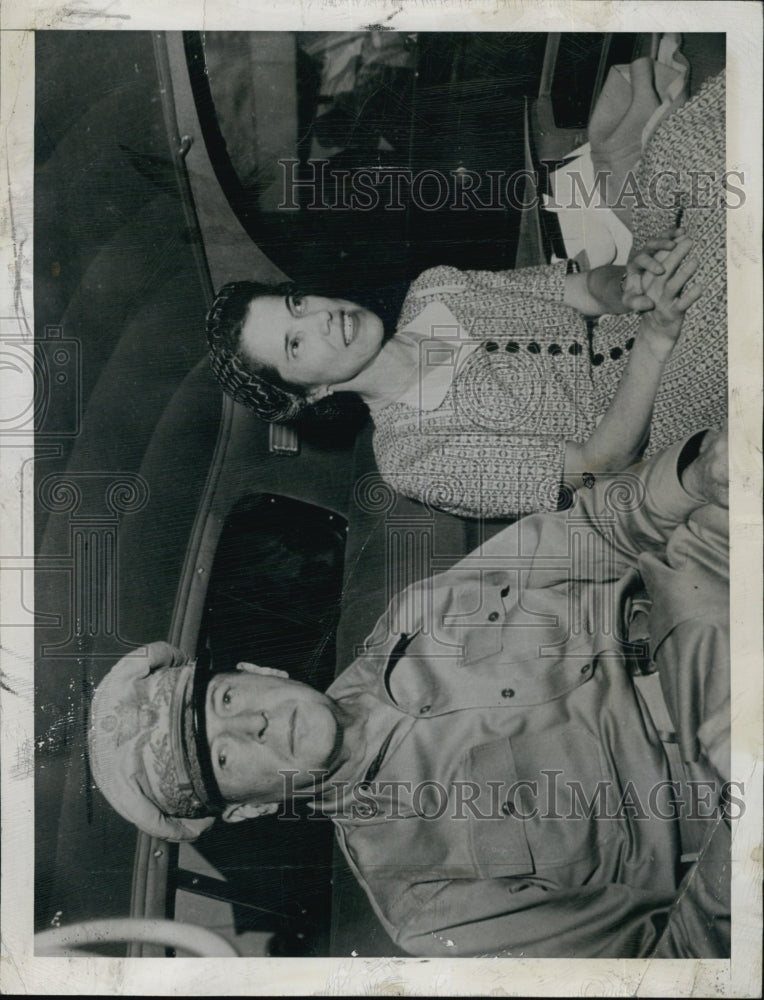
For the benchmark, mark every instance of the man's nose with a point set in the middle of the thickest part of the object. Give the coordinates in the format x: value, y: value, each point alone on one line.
x: 252, y: 726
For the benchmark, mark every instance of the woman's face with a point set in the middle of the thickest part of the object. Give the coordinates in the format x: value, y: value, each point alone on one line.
x: 311, y: 341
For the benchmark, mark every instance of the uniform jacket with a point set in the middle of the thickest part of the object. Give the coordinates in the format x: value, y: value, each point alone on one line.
x: 541, y: 805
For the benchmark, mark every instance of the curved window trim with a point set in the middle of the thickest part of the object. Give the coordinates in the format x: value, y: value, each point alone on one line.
x: 217, y: 150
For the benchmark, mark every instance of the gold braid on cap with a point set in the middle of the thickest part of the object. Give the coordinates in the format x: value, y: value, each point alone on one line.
x: 270, y: 402
x: 177, y: 796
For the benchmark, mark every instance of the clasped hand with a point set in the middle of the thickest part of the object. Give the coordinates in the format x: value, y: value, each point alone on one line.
x: 658, y: 283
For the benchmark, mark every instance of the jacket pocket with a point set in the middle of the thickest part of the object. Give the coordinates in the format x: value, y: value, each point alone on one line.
x: 540, y: 819
x: 485, y: 631
x: 498, y: 839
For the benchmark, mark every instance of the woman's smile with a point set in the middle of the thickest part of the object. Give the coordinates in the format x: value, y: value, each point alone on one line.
x: 348, y: 327
x: 312, y: 342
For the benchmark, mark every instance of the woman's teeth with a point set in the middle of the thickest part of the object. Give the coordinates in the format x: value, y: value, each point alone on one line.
x: 347, y: 328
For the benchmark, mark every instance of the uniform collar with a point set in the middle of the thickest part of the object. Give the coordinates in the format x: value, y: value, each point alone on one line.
x: 368, y: 747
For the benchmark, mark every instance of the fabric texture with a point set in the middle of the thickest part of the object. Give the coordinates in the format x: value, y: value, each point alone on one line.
x: 495, y: 447
x: 496, y: 444
x: 693, y: 389
x: 509, y: 681
x: 634, y: 99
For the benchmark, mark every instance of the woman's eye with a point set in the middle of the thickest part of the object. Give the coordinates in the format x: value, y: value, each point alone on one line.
x: 297, y: 303
x: 294, y: 347
x: 221, y: 760
x: 227, y: 696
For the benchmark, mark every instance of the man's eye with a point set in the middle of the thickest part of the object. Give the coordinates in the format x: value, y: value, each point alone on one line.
x: 297, y: 303
x: 227, y: 696
x: 294, y: 347
x: 221, y: 760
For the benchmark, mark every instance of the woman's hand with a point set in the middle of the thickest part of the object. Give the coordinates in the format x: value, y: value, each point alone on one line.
x: 645, y: 264
x: 618, y: 439
x: 613, y: 289
x: 671, y: 297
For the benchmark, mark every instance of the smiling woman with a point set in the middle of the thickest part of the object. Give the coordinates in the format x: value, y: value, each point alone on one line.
x: 491, y: 426
x: 496, y: 396
x: 312, y: 342
x: 269, y: 348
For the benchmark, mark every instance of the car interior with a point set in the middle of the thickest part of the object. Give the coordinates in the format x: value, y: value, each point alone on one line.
x: 164, y: 510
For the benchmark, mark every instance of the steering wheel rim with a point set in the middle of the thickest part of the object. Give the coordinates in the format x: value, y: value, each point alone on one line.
x: 66, y: 942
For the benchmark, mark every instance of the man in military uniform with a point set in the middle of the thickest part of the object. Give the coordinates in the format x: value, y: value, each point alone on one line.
x: 529, y: 757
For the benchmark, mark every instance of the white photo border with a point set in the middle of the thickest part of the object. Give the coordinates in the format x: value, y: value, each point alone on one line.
x: 20, y: 971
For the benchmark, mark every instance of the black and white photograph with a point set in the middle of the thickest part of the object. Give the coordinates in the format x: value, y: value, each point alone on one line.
x: 381, y: 500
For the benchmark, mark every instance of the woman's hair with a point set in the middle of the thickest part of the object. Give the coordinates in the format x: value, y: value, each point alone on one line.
x: 260, y: 386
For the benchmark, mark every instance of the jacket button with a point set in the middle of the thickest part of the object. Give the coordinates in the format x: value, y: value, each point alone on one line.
x: 508, y: 693
x: 508, y: 809
x: 554, y: 349
x: 534, y: 348
x: 574, y: 349
x: 494, y: 616
x: 598, y: 359
x: 491, y: 346
x: 615, y: 353
x: 425, y: 709
x: 512, y: 347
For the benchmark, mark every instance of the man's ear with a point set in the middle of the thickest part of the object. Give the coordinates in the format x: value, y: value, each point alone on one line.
x: 248, y: 810
x: 252, y: 668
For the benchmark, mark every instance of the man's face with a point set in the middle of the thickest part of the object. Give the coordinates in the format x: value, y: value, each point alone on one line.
x: 259, y: 725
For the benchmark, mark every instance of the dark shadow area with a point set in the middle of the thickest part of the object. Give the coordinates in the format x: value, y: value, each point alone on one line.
x: 274, y: 600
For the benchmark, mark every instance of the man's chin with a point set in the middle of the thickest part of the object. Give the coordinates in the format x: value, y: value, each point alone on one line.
x: 320, y: 742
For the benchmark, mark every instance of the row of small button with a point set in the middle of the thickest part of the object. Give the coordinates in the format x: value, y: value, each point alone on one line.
x: 614, y: 352
x: 533, y: 348
x: 555, y: 350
